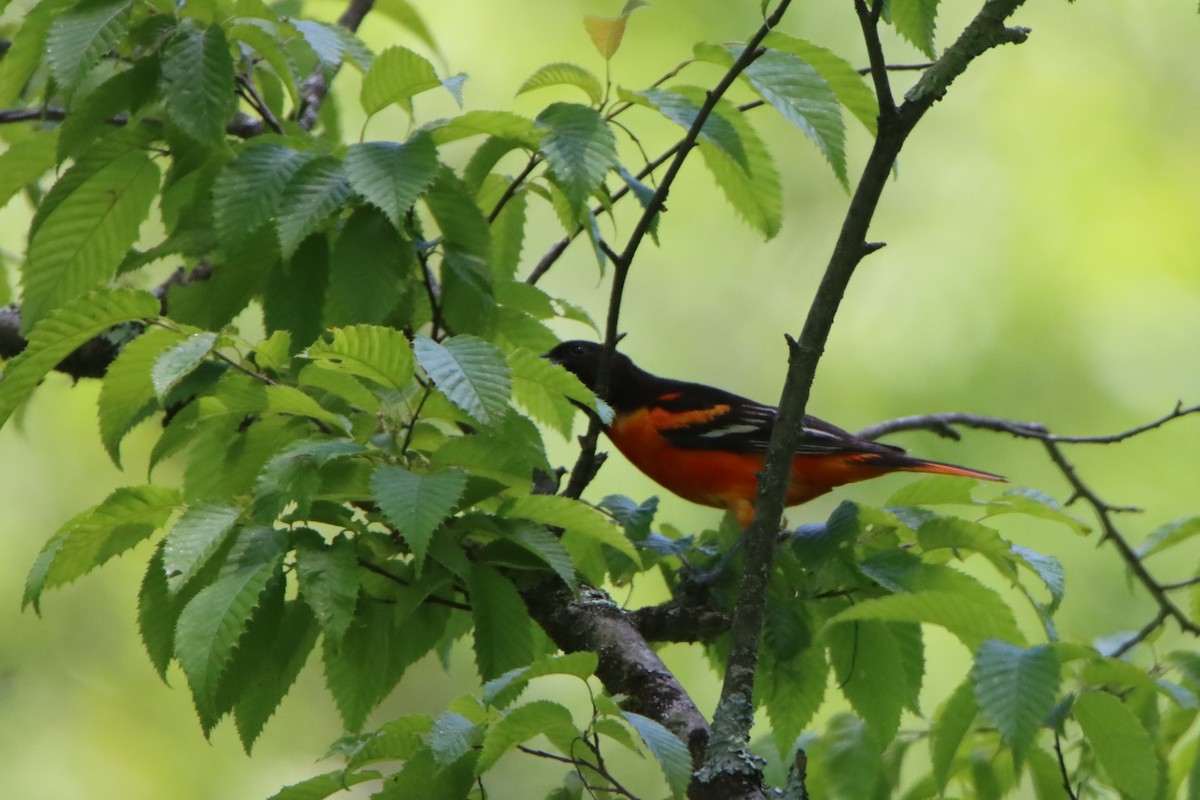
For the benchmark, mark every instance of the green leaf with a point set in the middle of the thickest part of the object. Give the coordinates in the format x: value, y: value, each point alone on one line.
x: 127, y: 395
x: 391, y: 176
x: 1169, y: 535
x: 916, y: 21
x: 212, y: 624
x: 580, y: 149
x: 606, y: 33
x: 1035, y: 504
x: 79, y: 37
x: 471, y: 373
x: 156, y: 615
x: 963, y: 535
x: 379, y: 354
x: 328, y: 578
x: 934, y: 490
x: 197, y: 71
x: 325, y: 785
x: 668, y: 750
x: 422, y: 777
x: 949, y: 729
x: 79, y: 244
x: 802, y: 95
x: 502, y: 691
x: 796, y: 691
x: 179, y: 361
x: 520, y: 725
x: 1120, y: 742
x: 942, y: 596
x: 452, y: 737
x: 503, y: 630
x: 248, y: 190
x: 577, y: 520
x: 126, y: 517
x: 198, y: 534
x: 278, y: 656
x: 315, y: 192
x: 62, y: 332
x: 293, y: 475
x: 395, y: 76
x: 294, y: 293
x: 1046, y: 776
x: 849, y: 86
x: 25, y: 161
x: 28, y: 48
x: 563, y: 73
x: 367, y: 270
x: 506, y: 125
x: 415, y: 503
x: 367, y: 663
x: 752, y: 189
x: 867, y: 658
x: 682, y: 108
x: 1015, y: 689
x: 546, y: 389
x: 850, y: 758
x: 547, y: 547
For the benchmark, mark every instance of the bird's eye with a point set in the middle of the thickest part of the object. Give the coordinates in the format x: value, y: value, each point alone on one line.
x: 578, y: 350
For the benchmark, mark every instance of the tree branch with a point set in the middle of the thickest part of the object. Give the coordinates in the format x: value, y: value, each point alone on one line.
x: 729, y: 771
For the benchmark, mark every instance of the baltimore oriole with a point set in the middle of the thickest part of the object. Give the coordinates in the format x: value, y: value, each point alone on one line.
x: 708, y: 445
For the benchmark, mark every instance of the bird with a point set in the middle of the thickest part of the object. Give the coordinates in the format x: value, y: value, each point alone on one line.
x: 708, y: 445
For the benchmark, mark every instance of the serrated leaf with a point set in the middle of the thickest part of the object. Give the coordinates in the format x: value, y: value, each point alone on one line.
x: 916, y: 21
x: 80, y: 36
x: 943, y: 596
x: 179, y: 361
x: 325, y: 785
x: 866, y: 658
x: 802, y: 95
x: 576, y: 519
x: 199, y: 533
x: 934, y: 490
x: 547, y: 547
x: 279, y: 657
x: 324, y: 41
x: 949, y: 729
x: 579, y: 147
x: 451, y: 738
x: 80, y: 243
x: 562, y: 73
x: 213, y: 622
x: 1120, y: 742
x: 503, y: 629
x: 753, y: 189
x: 328, y: 579
x: 682, y: 108
x: 520, y: 725
x: 28, y: 48
x: 1049, y: 569
x: 964, y: 535
x: 506, y: 125
x: 797, y: 694
x: 127, y: 395
x: 851, y: 758
x: 395, y: 76
x: 1020, y: 500
x: 315, y: 192
x: 849, y: 86
x: 25, y: 161
x: 546, y: 389
x: 1015, y: 689
x: 62, y: 332
x: 391, y: 176
x: 293, y: 476
x: 471, y: 373
x: 668, y: 750
x: 1168, y: 535
x: 197, y: 71
x: 379, y: 354
x: 248, y: 190
x: 416, y: 503
x: 367, y: 270
x: 156, y: 615
x: 126, y: 517
x: 503, y: 690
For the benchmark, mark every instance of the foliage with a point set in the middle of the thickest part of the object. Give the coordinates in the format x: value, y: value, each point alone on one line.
x: 368, y: 472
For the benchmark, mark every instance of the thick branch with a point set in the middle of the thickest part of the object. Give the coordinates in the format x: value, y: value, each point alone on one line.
x: 627, y: 664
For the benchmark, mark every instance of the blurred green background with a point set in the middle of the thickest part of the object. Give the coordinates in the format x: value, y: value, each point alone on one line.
x: 1042, y: 230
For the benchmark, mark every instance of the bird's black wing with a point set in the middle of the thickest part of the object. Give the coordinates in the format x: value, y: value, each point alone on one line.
x: 705, y: 418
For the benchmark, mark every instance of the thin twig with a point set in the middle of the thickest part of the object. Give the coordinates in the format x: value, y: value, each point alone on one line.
x: 1139, y: 637
x: 1062, y: 769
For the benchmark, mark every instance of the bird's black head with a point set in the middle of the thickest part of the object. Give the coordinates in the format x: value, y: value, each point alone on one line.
x: 583, y: 359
